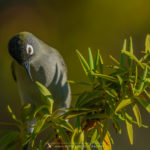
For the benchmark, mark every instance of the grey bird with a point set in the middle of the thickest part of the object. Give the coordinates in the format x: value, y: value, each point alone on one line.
x: 34, y: 60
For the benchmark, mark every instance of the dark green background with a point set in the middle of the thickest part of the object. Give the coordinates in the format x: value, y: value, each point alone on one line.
x: 68, y: 25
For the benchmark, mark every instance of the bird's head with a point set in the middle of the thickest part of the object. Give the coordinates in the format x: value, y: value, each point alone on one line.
x: 22, y: 48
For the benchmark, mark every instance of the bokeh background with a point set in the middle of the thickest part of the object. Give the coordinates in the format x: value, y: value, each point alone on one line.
x: 68, y: 25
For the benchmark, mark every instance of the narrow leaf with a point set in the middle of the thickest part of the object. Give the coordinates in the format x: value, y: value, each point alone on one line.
x: 93, y: 116
x: 46, y: 95
x: 105, y: 129
x: 144, y: 103
x: 62, y: 123
x: 130, y: 131
x: 122, y: 54
x: 98, y: 145
x: 94, y: 136
x: 130, y: 60
x: 147, y: 44
x: 96, y: 60
x: 101, y: 64
x: 137, y: 114
x: 83, y: 62
x: 115, y: 60
x: 141, y: 84
x: 106, y: 143
x: 64, y: 136
x: 13, y: 115
x: 90, y: 59
x: 107, y: 77
x: 133, y: 58
x: 123, y: 103
x: 117, y: 125
x: 136, y: 76
x: 87, y: 146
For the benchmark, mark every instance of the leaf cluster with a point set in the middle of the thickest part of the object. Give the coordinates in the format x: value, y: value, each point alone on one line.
x: 106, y: 104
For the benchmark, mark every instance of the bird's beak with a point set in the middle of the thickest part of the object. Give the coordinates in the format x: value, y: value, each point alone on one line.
x: 27, y: 67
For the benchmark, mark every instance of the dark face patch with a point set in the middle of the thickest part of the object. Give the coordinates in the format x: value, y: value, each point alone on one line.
x: 17, y: 49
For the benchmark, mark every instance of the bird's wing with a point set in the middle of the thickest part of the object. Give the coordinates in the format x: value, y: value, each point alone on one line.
x: 13, y: 71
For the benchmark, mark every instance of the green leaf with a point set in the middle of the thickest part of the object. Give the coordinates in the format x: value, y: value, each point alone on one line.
x: 46, y: 95
x: 111, y: 92
x: 107, y: 77
x: 129, y: 118
x: 130, y: 60
x: 120, y: 79
x: 98, y: 145
x: 123, y: 103
x: 94, y: 116
x: 101, y: 64
x: 141, y: 84
x: 78, y: 123
x: 81, y: 98
x: 65, y: 138
x: 96, y: 60
x: 130, y: 46
x: 90, y: 59
x: 38, y: 127
x: 77, y: 140
x: 63, y: 123
x: 40, y: 108
x: 148, y: 94
x: 94, y: 137
x: 115, y: 60
x: 133, y: 57
x: 122, y: 54
x: 87, y: 99
x: 130, y: 131
x: 144, y: 103
x: 105, y: 129
x: 137, y: 114
x: 147, y: 44
x: 80, y: 82
x: 75, y: 113
x: 87, y: 146
x: 136, y: 76
x: 147, y: 80
x: 83, y: 62
x: 116, y: 123
x: 13, y: 115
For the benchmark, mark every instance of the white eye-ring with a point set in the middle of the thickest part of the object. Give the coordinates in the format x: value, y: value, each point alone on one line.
x: 29, y: 49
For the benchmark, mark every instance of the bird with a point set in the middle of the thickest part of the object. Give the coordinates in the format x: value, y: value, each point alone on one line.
x: 34, y: 60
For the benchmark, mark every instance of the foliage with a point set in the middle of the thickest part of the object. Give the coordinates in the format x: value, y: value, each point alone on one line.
x: 107, y: 102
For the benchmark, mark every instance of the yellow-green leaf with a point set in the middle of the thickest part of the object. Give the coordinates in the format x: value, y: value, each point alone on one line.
x: 101, y: 64
x: 63, y: 123
x: 94, y: 136
x: 90, y: 59
x: 83, y: 62
x: 144, y: 103
x: 96, y: 60
x: 137, y: 114
x: 132, y: 56
x: 147, y: 43
x: 130, y: 131
x: 87, y: 146
x: 123, y: 103
x: 122, y: 54
x: 107, y: 77
x: 115, y: 60
x: 46, y: 95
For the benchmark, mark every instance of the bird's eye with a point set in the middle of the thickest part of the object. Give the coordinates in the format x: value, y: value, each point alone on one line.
x: 29, y: 49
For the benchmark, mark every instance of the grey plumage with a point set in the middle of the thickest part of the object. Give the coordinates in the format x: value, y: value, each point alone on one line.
x: 46, y: 66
